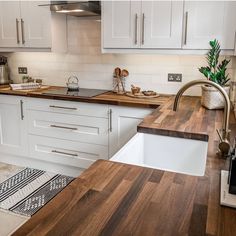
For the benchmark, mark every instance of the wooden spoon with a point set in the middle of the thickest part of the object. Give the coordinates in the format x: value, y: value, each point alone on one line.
x: 124, y: 73
x: 117, y: 72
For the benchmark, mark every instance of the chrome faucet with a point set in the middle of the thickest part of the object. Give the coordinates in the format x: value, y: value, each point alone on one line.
x: 224, y: 144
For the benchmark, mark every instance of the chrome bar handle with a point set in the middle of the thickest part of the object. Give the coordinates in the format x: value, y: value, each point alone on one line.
x: 22, y: 31
x: 17, y: 31
x: 60, y: 107
x: 186, y: 28
x: 143, y: 22
x: 63, y: 127
x: 65, y: 153
x: 21, y: 110
x: 110, y: 120
x: 136, y: 29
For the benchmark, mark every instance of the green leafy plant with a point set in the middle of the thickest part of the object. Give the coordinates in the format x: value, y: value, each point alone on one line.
x: 215, y: 71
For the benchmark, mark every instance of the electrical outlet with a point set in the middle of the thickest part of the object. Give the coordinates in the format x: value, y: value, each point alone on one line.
x: 174, y: 77
x: 22, y: 70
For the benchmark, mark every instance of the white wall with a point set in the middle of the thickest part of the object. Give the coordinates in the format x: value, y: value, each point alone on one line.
x: 84, y: 59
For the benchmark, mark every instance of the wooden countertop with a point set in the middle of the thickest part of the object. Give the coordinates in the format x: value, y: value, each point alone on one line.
x: 106, y: 98
x: 190, y: 121
x: 119, y: 199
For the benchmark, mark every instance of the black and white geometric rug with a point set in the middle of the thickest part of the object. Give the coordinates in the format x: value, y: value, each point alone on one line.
x: 30, y: 189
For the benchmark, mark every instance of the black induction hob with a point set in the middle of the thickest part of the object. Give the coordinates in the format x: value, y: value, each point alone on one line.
x: 82, y: 92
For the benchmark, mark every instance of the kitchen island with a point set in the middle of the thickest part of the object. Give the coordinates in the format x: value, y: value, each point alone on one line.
x: 120, y: 199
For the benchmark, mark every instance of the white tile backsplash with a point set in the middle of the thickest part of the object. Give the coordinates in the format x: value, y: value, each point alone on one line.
x: 94, y: 69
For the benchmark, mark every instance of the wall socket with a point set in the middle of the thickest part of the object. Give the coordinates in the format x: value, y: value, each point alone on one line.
x: 174, y: 77
x: 22, y: 70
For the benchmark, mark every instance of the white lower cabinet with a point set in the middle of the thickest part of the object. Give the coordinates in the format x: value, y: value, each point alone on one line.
x: 62, y: 136
x: 80, y: 128
x: 72, y: 134
x: 13, y: 131
x: 123, y: 125
x: 66, y: 152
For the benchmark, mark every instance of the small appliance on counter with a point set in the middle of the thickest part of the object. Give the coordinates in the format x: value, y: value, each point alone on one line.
x: 4, y: 71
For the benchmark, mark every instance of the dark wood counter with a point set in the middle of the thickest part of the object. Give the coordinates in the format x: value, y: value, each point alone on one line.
x: 190, y: 121
x: 119, y: 199
x: 107, y: 98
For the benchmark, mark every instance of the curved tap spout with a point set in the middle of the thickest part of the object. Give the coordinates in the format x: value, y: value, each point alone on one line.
x: 224, y: 145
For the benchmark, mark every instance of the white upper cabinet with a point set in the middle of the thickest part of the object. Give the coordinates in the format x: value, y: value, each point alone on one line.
x: 36, y: 24
x: 187, y: 25
x: 161, y: 24
x: 25, y: 24
x: 205, y: 21
x: 142, y: 24
x: 121, y: 24
x: 9, y: 23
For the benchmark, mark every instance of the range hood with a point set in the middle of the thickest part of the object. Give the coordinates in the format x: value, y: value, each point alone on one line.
x: 77, y: 8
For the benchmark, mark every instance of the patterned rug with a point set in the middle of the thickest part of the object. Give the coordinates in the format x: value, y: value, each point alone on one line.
x: 30, y: 189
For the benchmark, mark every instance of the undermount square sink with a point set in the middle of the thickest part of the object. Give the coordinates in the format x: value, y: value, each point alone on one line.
x: 178, y: 155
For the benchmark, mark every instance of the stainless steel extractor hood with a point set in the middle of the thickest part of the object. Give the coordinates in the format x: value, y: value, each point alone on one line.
x: 77, y: 8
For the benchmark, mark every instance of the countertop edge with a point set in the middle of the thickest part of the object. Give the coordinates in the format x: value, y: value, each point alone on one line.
x: 173, y: 133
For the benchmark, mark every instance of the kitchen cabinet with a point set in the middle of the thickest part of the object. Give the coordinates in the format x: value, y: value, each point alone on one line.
x: 13, y: 131
x: 121, y: 24
x: 207, y: 20
x: 123, y: 125
x: 63, y: 136
x: 9, y: 23
x: 142, y: 24
x: 65, y: 152
x: 25, y: 24
x: 67, y: 133
x: 180, y: 27
x: 161, y: 24
x: 36, y: 25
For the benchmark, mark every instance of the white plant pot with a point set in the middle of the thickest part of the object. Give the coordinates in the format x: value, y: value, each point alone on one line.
x: 212, y: 98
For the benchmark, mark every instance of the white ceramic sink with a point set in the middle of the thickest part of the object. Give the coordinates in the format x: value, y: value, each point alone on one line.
x: 179, y: 155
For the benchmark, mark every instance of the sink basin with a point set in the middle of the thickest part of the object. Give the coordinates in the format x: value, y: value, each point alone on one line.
x: 179, y: 155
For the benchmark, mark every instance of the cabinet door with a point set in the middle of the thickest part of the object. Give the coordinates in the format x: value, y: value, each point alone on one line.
x: 9, y: 23
x: 13, y: 132
x: 208, y: 20
x: 161, y: 25
x: 121, y: 24
x: 35, y: 24
x: 124, y: 123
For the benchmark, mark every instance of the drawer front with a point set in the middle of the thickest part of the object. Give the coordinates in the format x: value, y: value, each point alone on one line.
x: 65, y: 152
x: 69, y: 127
x: 67, y: 107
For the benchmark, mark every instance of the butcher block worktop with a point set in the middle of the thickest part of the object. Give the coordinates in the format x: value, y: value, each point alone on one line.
x: 106, y: 98
x: 190, y: 121
x: 119, y: 199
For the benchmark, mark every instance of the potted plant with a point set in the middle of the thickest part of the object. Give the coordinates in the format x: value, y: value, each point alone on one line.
x: 216, y: 71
